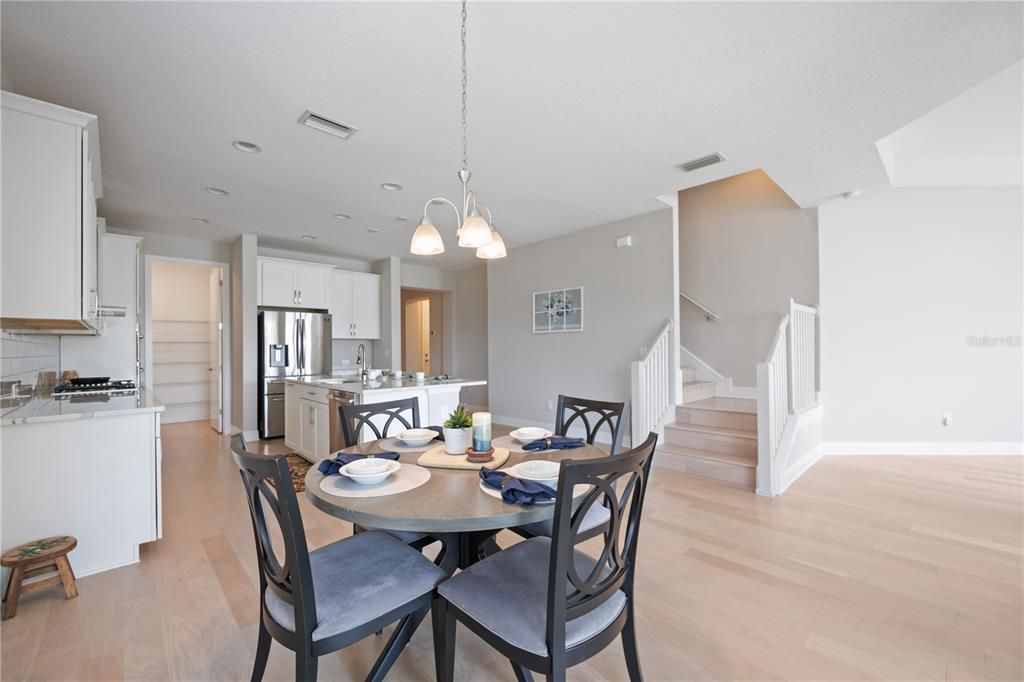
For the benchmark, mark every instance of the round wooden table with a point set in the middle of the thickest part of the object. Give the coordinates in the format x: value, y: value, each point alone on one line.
x: 449, y: 505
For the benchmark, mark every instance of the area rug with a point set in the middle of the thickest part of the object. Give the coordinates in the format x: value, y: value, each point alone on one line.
x: 298, y: 466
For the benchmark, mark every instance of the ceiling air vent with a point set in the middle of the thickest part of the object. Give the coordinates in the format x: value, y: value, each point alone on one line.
x: 326, y: 125
x: 702, y: 162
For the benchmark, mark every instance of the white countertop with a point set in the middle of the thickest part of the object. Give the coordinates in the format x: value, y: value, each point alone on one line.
x: 46, y: 408
x: 346, y: 384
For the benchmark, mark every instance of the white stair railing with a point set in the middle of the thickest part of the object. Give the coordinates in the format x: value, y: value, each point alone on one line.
x: 651, y: 380
x: 787, y: 384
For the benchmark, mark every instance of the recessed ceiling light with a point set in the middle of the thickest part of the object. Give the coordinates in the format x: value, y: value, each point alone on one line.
x: 342, y: 216
x: 199, y: 221
x: 309, y: 237
x: 217, y: 191
x: 401, y: 218
x: 390, y: 186
x: 247, y: 147
x: 373, y: 230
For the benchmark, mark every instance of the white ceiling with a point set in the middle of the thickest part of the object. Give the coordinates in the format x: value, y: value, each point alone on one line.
x: 579, y: 112
x: 974, y: 139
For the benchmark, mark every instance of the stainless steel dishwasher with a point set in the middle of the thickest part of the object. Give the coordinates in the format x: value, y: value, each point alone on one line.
x: 335, y: 399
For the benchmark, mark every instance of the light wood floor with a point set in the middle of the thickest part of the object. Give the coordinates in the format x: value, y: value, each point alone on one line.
x: 869, y: 568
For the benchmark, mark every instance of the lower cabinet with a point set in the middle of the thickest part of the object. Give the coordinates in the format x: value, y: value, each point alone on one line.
x: 314, y: 429
x: 292, y: 416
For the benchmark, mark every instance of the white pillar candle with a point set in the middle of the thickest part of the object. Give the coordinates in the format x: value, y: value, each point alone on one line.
x: 481, y: 431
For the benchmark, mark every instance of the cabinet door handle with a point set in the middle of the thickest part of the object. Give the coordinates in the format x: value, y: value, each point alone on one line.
x: 300, y: 296
x: 295, y: 296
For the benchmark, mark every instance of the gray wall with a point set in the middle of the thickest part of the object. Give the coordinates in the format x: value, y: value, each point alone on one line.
x: 470, y: 351
x: 627, y: 298
x: 745, y: 248
x: 243, y: 339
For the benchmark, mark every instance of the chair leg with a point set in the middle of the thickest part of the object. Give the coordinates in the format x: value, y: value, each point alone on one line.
x: 557, y: 675
x: 522, y: 674
x: 305, y: 666
x: 401, y: 636
x: 259, y: 666
x: 13, y: 592
x: 629, y: 646
x: 444, y: 640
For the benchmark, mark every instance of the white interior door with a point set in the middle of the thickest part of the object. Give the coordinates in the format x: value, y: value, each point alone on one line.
x: 215, y: 371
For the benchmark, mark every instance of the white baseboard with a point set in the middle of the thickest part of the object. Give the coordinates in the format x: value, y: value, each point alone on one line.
x: 951, y: 449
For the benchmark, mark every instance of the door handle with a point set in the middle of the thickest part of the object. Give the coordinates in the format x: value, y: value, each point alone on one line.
x: 300, y: 296
x: 276, y: 400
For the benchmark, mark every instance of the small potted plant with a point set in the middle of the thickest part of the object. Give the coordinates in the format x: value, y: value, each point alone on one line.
x: 457, y: 429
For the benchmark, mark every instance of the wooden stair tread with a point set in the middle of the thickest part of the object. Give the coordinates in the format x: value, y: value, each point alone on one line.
x: 724, y: 404
x: 716, y: 430
x: 720, y: 457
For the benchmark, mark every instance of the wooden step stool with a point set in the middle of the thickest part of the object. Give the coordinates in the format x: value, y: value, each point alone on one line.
x: 49, y: 555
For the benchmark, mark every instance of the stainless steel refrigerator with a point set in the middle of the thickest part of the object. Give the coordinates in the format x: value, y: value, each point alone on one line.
x: 292, y: 343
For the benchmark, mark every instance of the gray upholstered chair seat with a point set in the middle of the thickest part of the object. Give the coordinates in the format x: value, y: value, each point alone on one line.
x: 507, y: 594
x: 597, y: 515
x: 358, y: 579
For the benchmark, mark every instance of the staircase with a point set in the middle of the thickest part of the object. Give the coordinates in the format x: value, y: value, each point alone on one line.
x: 712, y: 437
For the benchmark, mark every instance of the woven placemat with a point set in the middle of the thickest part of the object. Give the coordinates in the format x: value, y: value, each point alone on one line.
x: 436, y: 457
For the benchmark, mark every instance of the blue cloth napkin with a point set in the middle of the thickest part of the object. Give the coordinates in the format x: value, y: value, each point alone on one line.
x: 554, y: 443
x: 329, y: 467
x: 516, y: 490
x: 440, y: 432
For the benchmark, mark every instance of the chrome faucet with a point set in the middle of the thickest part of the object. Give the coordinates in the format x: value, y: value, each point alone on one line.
x: 364, y: 372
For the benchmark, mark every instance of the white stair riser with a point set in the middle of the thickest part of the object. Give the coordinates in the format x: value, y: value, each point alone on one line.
x: 691, y: 393
x: 741, y: 421
x: 689, y: 374
x: 714, y: 442
x: 723, y: 472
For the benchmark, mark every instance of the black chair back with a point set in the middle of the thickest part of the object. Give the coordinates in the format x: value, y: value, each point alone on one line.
x: 404, y: 412
x: 574, y: 588
x: 593, y: 415
x: 268, y: 485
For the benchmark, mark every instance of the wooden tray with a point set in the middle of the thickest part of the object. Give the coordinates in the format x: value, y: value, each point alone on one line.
x: 436, y: 457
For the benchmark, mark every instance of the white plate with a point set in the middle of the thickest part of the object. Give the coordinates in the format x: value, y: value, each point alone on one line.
x: 538, y: 471
x: 527, y: 434
x: 417, y: 437
x: 370, y: 479
x: 497, y: 493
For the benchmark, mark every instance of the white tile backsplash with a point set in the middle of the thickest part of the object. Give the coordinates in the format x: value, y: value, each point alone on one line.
x: 23, y: 356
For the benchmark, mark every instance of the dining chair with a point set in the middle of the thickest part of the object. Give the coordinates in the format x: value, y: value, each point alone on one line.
x: 397, y: 415
x: 545, y: 605
x: 593, y: 417
x: 317, y: 602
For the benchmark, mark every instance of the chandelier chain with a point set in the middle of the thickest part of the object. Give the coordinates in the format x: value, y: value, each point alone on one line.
x: 465, y: 125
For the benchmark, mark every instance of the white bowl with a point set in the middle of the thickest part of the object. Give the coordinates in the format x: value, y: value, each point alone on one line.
x: 539, y: 471
x: 367, y: 465
x: 417, y: 437
x: 349, y: 471
x: 526, y: 434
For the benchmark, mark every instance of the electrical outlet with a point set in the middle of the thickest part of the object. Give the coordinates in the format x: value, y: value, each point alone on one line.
x: 947, y: 418
x: 550, y: 405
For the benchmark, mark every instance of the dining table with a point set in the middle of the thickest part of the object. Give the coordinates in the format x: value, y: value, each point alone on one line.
x: 450, y: 506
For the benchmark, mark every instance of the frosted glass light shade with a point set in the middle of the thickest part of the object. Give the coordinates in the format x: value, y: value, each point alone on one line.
x: 492, y: 249
x: 426, y: 240
x: 475, y: 231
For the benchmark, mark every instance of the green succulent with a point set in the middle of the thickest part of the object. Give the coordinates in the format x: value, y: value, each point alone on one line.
x: 459, y: 419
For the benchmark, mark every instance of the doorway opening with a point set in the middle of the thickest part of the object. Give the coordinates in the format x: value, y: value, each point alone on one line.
x: 423, y: 342
x: 186, y: 309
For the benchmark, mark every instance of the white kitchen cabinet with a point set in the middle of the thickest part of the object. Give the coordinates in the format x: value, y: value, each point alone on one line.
x: 292, y: 416
x: 292, y: 284
x: 355, y: 305
x: 51, y: 179
x: 314, y: 429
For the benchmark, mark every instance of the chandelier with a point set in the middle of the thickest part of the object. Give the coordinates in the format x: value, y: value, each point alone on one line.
x: 474, y: 230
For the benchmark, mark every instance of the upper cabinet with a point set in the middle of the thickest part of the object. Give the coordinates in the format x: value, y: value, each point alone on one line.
x: 355, y: 305
x: 292, y: 284
x: 51, y: 179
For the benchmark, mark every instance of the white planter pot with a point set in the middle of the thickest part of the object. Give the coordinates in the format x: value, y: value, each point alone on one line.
x: 456, y: 441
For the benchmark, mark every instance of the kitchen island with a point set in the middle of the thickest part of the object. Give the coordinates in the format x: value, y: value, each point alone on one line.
x: 87, y: 466
x: 312, y: 424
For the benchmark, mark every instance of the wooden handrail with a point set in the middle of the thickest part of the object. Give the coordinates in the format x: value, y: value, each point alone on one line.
x: 704, y: 309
